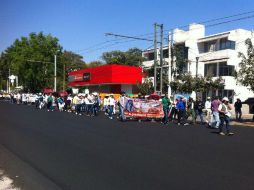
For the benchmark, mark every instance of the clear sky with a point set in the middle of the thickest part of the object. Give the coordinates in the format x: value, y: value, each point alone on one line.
x: 80, y: 25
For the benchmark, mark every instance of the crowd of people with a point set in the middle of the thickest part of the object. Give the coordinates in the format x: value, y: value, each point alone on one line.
x: 213, y: 113
x: 80, y: 104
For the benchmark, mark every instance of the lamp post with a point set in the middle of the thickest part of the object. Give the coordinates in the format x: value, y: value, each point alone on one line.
x: 55, y: 73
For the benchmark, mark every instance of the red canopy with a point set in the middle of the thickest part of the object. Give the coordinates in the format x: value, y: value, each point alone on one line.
x: 48, y: 90
x: 63, y: 93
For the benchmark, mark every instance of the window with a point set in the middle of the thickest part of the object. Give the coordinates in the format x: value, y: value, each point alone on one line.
x: 165, y: 53
x: 209, y: 46
x: 211, y: 69
x: 219, y: 69
x: 226, y: 93
x: 149, y: 56
x: 226, y: 44
x: 226, y: 70
x: 181, y: 52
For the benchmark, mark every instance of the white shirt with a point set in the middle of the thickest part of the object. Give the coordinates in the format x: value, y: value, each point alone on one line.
x: 111, y: 101
x: 227, y: 109
x: 208, y: 104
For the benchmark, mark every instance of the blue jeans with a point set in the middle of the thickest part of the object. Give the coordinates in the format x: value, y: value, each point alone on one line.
x: 225, y: 119
x: 78, y: 108
x: 90, y: 109
x: 200, y: 114
x: 165, y: 110
x: 111, y: 111
x: 121, y: 113
x: 216, y: 118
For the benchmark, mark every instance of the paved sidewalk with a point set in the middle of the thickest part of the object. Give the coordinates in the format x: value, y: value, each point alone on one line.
x: 243, y: 123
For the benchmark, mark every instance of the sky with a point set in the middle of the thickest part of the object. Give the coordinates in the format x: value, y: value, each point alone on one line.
x: 80, y: 25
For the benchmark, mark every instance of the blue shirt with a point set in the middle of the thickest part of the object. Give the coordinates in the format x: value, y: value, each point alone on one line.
x: 180, y: 105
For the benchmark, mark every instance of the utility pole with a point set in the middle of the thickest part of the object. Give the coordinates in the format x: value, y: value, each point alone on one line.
x: 197, y: 58
x: 155, y: 56
x: 63, y: 76
x: 55, y: 74
x: 171, y: 64
x: 161, y: 59
x: 9, y: 86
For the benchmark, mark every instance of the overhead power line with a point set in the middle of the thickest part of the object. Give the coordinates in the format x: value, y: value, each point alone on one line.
x: 139, y: 37
x: 131, y: 37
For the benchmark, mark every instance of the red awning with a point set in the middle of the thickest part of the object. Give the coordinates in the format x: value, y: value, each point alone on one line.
x: 106, y: 74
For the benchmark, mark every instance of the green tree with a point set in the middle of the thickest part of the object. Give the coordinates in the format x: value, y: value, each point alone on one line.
x: 187, y: 83
x: 72, y: 61
x: 134, y: 57
x: 181, y: 59
x: 146, y: 87
x: 117, y: 57
x: 131, y: 57
x: 245, y: 75
x: 31, y: 59
x: 4, y: 70
x: 95, y: 63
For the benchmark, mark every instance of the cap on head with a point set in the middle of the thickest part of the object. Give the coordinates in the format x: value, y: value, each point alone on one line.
x: 225, y: 99
x: 208, y: 98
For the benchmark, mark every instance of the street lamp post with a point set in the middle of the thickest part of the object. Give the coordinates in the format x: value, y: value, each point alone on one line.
x: 197, y: 58
x: 55, y: 74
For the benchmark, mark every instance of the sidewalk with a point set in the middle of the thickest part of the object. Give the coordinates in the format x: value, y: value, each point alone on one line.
x: 245, y: 123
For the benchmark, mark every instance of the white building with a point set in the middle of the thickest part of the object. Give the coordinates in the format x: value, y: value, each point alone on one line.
x: 217, y: 56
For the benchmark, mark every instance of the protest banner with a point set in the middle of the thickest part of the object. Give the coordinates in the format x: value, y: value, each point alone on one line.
x: 138, y: 108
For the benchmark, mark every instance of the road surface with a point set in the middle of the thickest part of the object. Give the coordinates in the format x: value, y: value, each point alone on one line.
x: 73, y: 152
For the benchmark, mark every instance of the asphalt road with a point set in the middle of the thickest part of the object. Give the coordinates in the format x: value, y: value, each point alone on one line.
x: 78, y: 152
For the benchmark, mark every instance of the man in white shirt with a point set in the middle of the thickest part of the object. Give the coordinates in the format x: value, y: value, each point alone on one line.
x: 111, y: 102
x: 121, y: 104
x: 89, y: 105
x: 209, y: 116
x: 224, y: 110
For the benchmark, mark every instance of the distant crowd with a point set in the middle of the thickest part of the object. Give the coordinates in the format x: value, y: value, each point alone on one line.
x: 213, y: 113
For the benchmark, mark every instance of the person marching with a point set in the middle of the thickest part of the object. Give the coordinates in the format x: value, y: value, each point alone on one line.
x: 191, y: 111
x: 181, y: 110
x: 166, y: 104
x: 121, y: 104
x: 208, y: 108
x: 216, y: 118
x: 224, y: 110
x: 238, y: 109
x: 111, y: 104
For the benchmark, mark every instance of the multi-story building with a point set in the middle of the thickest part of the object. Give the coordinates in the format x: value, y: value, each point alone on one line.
x: 214, y: 55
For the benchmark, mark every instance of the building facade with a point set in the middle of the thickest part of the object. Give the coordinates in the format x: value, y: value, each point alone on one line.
x: 214, y: 55
x: 109, y: 78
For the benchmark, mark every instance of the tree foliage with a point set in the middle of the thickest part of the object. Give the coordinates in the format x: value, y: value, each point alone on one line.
x: 131, y: 57
x: 95, y: 63
x: 245, y: 75
x: 72, y: 61
x: 31, y: 59
x: 146, y: 87
x: 187, y: 83
x: 181, y: 59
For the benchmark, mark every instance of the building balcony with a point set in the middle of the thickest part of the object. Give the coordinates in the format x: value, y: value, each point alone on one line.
x: 215, y: 56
